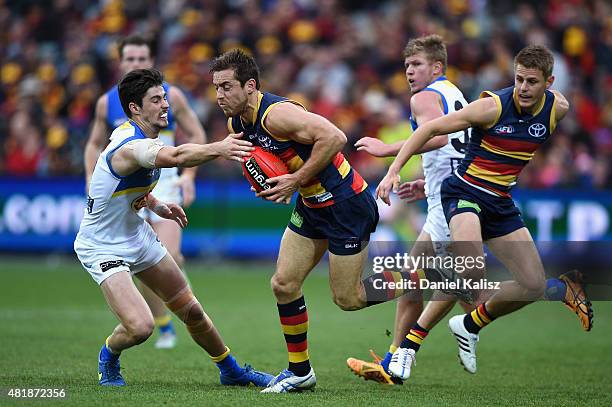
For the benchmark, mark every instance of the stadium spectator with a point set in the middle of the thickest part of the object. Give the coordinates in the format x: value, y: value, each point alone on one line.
x: 69, y: 48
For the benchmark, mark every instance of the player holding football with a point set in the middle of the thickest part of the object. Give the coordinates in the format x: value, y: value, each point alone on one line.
x: 433, y: 97
x: 508, y: 126
x: 114, y: 243
x: 335, y: 212
x: 135, y: 52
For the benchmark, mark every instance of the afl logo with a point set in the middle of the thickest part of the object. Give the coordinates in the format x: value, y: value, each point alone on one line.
x: 504, y: 130
x: 537, y: 130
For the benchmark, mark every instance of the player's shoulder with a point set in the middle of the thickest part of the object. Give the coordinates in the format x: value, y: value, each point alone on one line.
x: 125, y: 130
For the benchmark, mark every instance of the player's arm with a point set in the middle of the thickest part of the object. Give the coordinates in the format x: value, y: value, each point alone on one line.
x: 170, y: 211
x: 288, y: 120
x: 98, y: 137
x: 425, y: 107
x: 150, y: 153
x: 480, y: 113
x: 190, y: 125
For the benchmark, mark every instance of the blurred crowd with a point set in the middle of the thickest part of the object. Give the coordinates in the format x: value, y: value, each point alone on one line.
x: 342, y: 59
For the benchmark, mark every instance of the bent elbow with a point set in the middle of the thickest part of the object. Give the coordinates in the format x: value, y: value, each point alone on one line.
x: 340, y: 139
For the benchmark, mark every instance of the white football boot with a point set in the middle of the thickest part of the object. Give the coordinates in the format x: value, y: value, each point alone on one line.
x: 466, y: 342
x: 401, y: 363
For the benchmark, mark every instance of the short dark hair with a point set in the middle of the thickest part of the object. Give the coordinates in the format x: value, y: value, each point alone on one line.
x: 135, y: 84
x: 244, y: 66
x: 432, y: 46
x: 134, y: 39
x: 538, y: 57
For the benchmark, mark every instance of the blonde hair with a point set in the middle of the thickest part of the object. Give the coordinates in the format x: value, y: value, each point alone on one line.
x: 432, y: 46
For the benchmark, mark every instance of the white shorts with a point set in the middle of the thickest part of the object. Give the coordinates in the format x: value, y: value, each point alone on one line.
x: 436, y: 226
x: 166, y: 191
x: 102, y: 262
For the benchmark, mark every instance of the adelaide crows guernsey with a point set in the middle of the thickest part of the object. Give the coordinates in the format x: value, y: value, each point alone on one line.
x: 497, y: 154
x: 336, y: 182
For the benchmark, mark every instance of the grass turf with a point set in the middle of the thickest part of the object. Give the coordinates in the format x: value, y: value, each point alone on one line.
x: 53, y: 320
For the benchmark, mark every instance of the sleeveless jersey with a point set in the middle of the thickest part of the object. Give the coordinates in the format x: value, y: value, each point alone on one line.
x: 336, y: 182
x: 111, y: 218
x: 115, y: 116
x: 440, y: 163
x: 496, y: 155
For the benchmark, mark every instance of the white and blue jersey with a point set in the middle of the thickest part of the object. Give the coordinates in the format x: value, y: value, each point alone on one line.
x: 112, y: 236
x: 440, y: 163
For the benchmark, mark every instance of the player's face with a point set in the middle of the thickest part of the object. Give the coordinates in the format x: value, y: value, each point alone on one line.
x: 136, y: 57
x: 154, y: 111
x: 530, y: 85
x: 420, y: 72
x: 231, y: 97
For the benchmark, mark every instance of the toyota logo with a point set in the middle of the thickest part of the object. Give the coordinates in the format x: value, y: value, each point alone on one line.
x: 537, y: 130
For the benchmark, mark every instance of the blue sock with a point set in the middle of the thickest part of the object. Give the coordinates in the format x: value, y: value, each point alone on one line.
x: 555, y: 289
x: 385, y: 362
x: 169, y: 327
x: 229, y: 366
x: 106, y: 355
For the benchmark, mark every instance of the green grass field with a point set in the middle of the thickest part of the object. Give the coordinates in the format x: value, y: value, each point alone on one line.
x: 53, y: 320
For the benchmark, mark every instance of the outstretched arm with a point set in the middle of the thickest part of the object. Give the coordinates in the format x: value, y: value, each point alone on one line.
x: 478, y: 113
x: 150, y: 153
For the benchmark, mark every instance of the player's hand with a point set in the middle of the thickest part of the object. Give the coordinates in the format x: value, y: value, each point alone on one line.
x: 412, y: 191
x: 234, y: 148
x: 388, y: 184
x: 171, y: 211
x: 283, y: 191
x: 372, y: 146
x: 187, y: 186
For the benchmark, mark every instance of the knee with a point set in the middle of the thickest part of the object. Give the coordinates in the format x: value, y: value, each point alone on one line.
x: 195, y: 314
x: 141, y: 330
x: 348, y: 302
x: 281, y: 287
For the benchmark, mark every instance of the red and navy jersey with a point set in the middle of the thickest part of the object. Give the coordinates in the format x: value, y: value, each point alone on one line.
x: 497, y: 154
x: 335, y: 183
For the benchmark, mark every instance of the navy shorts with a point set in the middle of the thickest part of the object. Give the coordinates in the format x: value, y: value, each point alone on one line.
x: 346, y: 225
x: 498, y: 216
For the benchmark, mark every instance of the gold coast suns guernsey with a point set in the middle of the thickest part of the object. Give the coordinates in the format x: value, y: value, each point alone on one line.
x: 336, y: 182
x: 111, y: 218
x: 498, y: 153
x: 438, y: 164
